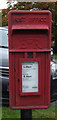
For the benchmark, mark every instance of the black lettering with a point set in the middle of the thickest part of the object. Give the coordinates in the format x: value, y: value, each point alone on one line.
x: 28, y: 76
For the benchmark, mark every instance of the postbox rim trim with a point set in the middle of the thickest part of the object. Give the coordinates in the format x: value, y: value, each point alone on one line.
x: 26, y: 11
x: 29, y: 27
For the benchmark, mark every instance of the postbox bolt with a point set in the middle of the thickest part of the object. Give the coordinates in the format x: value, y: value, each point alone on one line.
x: 30, y: 54
x: 18, y: 79
x: 14, y: 70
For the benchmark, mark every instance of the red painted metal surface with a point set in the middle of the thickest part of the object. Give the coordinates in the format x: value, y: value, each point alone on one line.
x: 29, y: 41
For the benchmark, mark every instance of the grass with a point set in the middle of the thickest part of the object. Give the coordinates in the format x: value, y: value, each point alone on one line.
x: 44, y: 113
x: 9, y: 113
x: 40, y: 113
x: 0, y: 111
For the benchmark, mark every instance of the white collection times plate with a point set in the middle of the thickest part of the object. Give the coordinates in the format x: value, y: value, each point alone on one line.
x: 29, y: 77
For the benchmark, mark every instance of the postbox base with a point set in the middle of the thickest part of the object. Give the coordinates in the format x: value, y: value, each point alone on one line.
x: 29, y: 107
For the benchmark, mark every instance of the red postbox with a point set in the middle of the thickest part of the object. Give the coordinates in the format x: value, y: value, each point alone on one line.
x: 29, y: 59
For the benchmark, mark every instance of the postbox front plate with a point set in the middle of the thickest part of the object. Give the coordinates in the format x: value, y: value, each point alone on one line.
x: 29, y: 76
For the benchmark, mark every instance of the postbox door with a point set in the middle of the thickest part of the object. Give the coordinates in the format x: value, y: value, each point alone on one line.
x: 30, y: 90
